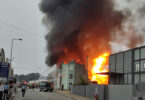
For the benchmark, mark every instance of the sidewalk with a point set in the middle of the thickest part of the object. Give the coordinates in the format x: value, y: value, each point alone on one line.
x: 67, y: 93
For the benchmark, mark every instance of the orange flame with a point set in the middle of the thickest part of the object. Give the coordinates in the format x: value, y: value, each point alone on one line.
x: 100, y: 65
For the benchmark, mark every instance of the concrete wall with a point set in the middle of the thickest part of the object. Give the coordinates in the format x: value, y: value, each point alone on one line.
x: 120, y: 92
x: 65, y: 76
x: 67, y: 71
x: 101, y: 92
x: 71, y: 74
x: 91, y: 90
x: 79, y: 90
x: 57, y: 84
x: 110, y: 92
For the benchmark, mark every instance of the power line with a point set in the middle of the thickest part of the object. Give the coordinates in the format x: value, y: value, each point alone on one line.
x: 19, y: 33
x: 18, y: 28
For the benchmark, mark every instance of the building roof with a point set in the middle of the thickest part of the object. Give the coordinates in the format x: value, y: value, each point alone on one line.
x: 143, y: 46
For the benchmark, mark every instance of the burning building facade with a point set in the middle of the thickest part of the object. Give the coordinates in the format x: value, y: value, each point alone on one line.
x: 127, y: 67
x: 70, y: 74
x: 80, y: 28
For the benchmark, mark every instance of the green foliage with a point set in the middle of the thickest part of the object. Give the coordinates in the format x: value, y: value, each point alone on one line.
x: 28, y: 77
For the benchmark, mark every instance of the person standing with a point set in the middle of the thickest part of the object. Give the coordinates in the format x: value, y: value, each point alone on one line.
x: 62, y: 87
x: 23, y: 87
x: 1, y: 90
x: 6, y: 90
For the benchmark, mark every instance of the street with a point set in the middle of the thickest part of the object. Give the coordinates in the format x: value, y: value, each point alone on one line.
x: 33, y: 94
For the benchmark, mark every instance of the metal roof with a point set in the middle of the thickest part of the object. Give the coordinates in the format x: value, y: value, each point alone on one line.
x: 129, y: 50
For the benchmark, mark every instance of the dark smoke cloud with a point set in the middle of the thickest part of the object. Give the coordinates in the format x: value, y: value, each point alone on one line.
x: 73, y: 20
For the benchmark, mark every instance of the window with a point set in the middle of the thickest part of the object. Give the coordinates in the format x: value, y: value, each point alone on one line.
x: 137, y: 67
x: 70, y: 76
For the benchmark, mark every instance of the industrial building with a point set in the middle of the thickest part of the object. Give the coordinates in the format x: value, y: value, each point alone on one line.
x: 127, y: 67
x: 126, y: 78
x: 70, y: 74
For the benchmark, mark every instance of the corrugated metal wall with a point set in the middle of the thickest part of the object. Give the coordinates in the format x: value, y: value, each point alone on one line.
x: 119, y: 63
x: 127, y: 67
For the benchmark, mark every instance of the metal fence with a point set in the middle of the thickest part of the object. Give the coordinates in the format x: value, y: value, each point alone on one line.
x: 111, y: 92
x: 84, y: 90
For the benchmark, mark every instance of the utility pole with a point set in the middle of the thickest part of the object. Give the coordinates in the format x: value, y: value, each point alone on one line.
x: 12, y: 52
x: 87, y: 63
x: 12, y: 49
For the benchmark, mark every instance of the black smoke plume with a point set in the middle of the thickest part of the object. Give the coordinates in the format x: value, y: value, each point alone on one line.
x: 71, y: 23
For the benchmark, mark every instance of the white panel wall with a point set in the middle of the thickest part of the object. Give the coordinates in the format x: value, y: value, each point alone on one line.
x: 120, y: 92
x: 112, y: 63
x: 128, y: 62
x: 119, y: 63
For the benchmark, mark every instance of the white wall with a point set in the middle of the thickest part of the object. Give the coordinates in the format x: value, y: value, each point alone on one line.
x: 120, y: 92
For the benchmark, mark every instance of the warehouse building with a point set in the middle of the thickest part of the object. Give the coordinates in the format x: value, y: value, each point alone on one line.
x: 127, y: 67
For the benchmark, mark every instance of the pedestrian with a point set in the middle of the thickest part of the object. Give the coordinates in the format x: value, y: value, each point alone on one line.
x: 6, y: 90
x: 62, y: 87
x: 70, y: 85
x: 1, y: 90
x: 23, y: 87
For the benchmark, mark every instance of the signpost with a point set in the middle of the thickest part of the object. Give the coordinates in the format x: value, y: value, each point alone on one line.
x: 4, y: 70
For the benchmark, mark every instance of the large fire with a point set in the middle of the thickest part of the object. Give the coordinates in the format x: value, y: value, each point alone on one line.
x: 100, y: 65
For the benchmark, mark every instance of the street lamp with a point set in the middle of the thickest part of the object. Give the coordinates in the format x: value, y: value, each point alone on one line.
x: 12, y: 48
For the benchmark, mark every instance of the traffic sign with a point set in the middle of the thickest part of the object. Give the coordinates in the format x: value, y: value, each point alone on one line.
x: 4, y: 69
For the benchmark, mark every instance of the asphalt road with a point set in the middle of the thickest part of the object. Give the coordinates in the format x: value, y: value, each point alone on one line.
x: 37, y: 95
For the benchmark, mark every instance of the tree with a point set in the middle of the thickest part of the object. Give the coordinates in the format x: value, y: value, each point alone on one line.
x: 28, y: 77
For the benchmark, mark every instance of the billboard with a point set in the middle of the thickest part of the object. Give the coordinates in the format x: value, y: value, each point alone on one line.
x: 4, y: 69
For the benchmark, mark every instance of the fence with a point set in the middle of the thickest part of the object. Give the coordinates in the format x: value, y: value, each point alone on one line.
x: 85, y: 91
x: 110, y: 92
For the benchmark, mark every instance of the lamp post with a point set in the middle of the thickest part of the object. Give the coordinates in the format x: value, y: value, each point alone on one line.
x: 12, y: 48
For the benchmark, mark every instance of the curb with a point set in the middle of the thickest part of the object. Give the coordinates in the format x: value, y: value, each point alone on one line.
x: 65, y: 95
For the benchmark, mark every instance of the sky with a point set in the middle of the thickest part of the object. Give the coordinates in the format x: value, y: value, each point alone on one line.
x: 23, y: 19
